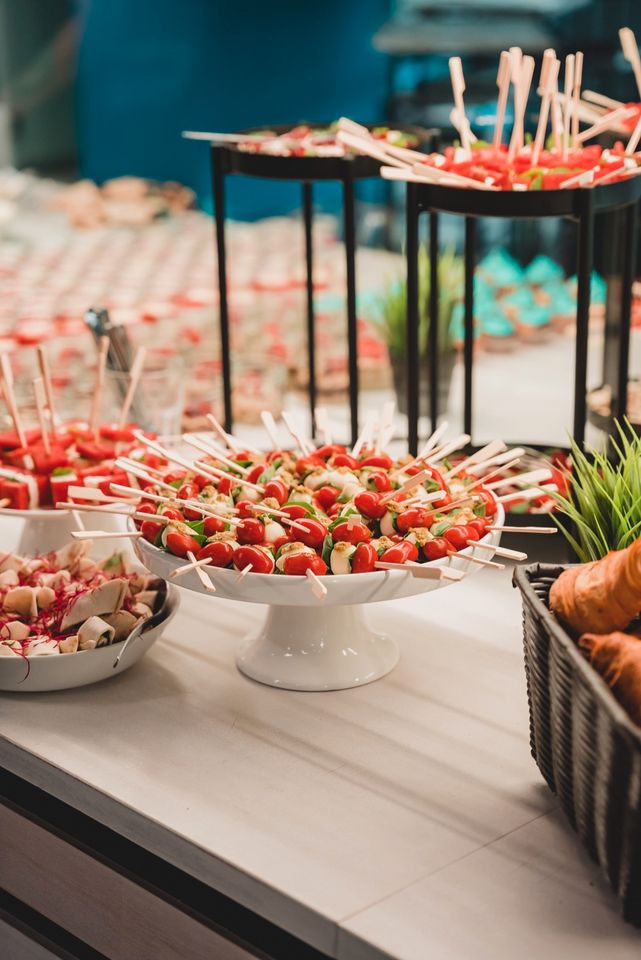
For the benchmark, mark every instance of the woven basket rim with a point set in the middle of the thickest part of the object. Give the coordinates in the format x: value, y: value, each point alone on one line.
x: 522, y: 578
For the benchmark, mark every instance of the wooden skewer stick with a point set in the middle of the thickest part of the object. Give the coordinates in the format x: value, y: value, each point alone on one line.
x: 369, y: 146
x: 281, y: 515
x: 4, y: 503
x: 215, y: 473
x: 545, y: 530
x: 227, y: 438
x: 305, y: 446
x: 448, y: 448
x: 97, y: 496
x: 134, y: 379
x: 631, y: 53
x: 485, y: 453
x: 366, y: 433
x: 422, y: 571
x: 141, y: 474
x: 204, y: 447
x: 533, y: 493
x: 106, y: 534
x: 188, y: 567
x: 96, y: 403
x: 521, y: 94
x: 481, y: 480
x: 322, y: 422
x: 204, y: 578
x: 500, y: 459
x: 434, y: 175
x: 458, y: 89
x: 10, y: 398
x: 43, y: 364
x: 608, y: 121
x: 533, y: 476
x: 39, y: 394
x: 113, y: 511
x: 503, y: 83
x: 578, y: 180
x: 243, y: 573
x: 603, y: 101
x: 477, y: 560
x: 414, y: 481
x: 318, y: 587
x: 385, y: 421
x: 172, y: 501
x: 568, y: 83
x: 270, y: 426
x: 549, y: 80
x: 576, y: 94
x: 633, y: 142
x: 499, y: 551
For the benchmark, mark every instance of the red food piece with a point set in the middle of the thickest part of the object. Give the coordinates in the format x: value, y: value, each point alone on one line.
x: 457, y: 536
x: 172, y: 514
x: 294, y: 511
x: 378, y: 481
x: 414, y: 517
x: 94, y: 451
x: 480, y: 525
x: 326, y: 496
x: 378, y: 460
x: 245, y: 508
x: 300, y: 563
x: 436, y: 549
x: 364, y: 558
x: 118, y: 434
x: 329, y: 450
x: 250, y: 530
x: 277, y: 490
x: 356, y: 533
x: 346, y: 460
x: 313, y: 533
x: 220, y: 553
x: 16, y: 491
x: 180, y: 544
x: 9, y: 440
x: 260, y: 560
x: 213, y: 525
x: 369, y: 504
x: 48, y: 462
x: 150, y: 530
x: 255, y: 472
x: 400, y: 553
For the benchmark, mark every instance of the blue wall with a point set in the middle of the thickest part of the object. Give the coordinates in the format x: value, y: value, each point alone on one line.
x: 151, y: 68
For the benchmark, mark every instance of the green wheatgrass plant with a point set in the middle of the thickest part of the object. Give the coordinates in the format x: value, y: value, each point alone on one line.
x: 603, y: 506
x: 392, y: 304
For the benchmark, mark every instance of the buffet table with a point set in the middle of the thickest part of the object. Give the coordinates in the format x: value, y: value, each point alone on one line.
x: 186, y: 811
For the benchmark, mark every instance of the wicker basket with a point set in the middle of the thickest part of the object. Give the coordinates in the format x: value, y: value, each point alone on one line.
x: 585, y: 745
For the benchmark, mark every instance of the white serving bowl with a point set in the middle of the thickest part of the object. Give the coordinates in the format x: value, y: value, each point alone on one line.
x: 307, y: 643
x: 42, y: 530
x: 62, y: 671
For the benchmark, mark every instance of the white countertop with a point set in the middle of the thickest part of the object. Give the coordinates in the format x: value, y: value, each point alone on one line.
x: 405, y: 818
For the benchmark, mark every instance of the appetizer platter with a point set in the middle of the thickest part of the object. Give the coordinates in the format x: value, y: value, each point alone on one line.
x: 562, y: 162
x: 316, y: 533
x: 67, y: 620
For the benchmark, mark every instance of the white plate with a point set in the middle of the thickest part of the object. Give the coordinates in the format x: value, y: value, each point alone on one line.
x: 62, y: 671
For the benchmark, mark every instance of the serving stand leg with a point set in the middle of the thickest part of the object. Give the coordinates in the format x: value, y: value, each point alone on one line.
x: 307, y: 648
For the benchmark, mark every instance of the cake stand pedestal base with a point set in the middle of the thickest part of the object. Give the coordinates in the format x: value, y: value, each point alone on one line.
x: 307, y: 648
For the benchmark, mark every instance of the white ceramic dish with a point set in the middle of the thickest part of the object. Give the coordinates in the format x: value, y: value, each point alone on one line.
x: 43, y: 530
x: 63, y: 671
x: 307, y: 643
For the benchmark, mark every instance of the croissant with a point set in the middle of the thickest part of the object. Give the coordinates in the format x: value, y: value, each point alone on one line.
x: 600, y: 596
x: 617, y: 657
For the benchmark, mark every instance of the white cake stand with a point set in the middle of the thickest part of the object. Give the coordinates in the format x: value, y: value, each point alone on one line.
x: 311, y: 644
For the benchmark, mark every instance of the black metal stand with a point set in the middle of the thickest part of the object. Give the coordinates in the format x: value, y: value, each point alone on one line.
x: 581, y: 206
x: 229, y: 160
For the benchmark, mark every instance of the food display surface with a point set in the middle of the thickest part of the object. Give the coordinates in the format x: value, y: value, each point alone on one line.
x: 366, y: 823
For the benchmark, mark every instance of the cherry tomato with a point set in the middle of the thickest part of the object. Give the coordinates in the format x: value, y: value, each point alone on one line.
x: 457, y: 537
x: 150, y: 530
x: 435, y: 549
x: 271, y: 456
x: 329, y: 450
x: 369, y: 504
x: 171, y: 513
x: 174, y: 475
x: 400, y: 553
x: 275, y: 545
x: 213, y: 525
x: 472, y: 532
x: 225, y: 485
x: 414, y: 517
x: 490, y: 502
x: 300, y: 563
x: 305, y: 465
x: 201, y: 482
x: 180, y: 544
x: 480, y: 525
x: 334, y: 511
x: 378, y: 481
x: 146, y: 508
x: 255, y: 472
x: 326, y: 496
x: 356, y: 533
x: 313, y: 534
x: 378, y: 460
x: 188, y: 491
x: 345, y: 460
x: 261, y: 560
x: 250, y: 530
x: 364, y: 558
x: 245, y: 508
x: 294, y: 511
x: 220, y: 553
x: 277, y: 490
